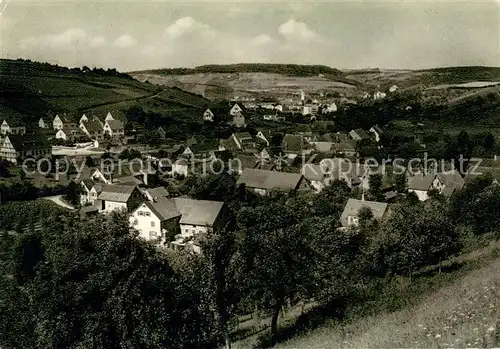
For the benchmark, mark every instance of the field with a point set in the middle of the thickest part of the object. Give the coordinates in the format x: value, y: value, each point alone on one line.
x: 29, y: 90
x: 218, y: 85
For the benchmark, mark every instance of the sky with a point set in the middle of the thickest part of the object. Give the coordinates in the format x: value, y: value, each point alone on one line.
x: 132, y: 35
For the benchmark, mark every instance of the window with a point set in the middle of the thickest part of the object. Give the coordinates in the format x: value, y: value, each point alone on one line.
x: 147, y: 214
x: 152, y: 224
x: 140, y: 213
x: 186, y: 230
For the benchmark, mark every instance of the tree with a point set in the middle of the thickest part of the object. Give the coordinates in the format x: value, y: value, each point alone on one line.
x: 94, y: 284
x: 415, y: 236
x: 89, y: 161
x: 289, y: 255
x: 4, y: 168
x: 375, y: 183
x: 73, y: 191
x: 401, y: 183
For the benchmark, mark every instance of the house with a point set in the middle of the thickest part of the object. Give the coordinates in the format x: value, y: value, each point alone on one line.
x: 83, y: 118
x: 71, y: 134
x: 262, y: 181
x: 114, y: 129
x: 393, y: 88
x: 316, y: 176
x: 118, y: 197
x: 161, y: 132
x: 359, y: 134
x: 12, y: 128
x: 354, y: 174
x: 180, y: 218
x: 235, y: 109
x: 243, y: 139
x: 92, y: 129
x: 322, y: 147
x: 329, y: 108
x: 154, y: 193
x: 63, y: 120
x: 350, y: 215
x: 377, y: 133
x: 180, y: 167
x: 379, y: 95
x: 264, y: 135
x: 449, y: 182
x: 238, y: 120
x: 20, y: 147
x: 421, y: 183
x: 109, y: 117
x: 42, y: 123
x: 90, y: 191
x: 208, y: 115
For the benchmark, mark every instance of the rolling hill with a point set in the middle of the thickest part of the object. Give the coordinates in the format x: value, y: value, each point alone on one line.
x: 278, y: 80
x: 29, y: 90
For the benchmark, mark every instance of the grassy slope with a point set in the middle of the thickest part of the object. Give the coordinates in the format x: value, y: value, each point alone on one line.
x: 459, y: 308
x: 28, y: 90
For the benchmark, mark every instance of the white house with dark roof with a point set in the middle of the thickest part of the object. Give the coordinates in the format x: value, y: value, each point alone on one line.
x: 263, y: 181
x: 118, y: 197
x: 92, y: 129
x: 350, y: 215
x: 182, y: 219
x: 235, y: 109
x: 180, y: 167
x: 316, y: 175
x: 63, y: 120
x: 114, y: 128
x: 208, y: 115
x: 238, y: 120
x: 12, y: 128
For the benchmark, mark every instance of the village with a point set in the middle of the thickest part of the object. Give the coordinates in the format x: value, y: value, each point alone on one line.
x: 264, y: 162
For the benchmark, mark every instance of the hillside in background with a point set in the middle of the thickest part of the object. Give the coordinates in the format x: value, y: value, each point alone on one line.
x: 283, y: 80
x: 29, y: 90
x: 284, y: 69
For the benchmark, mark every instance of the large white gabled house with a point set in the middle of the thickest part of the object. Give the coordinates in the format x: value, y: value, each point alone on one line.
x: 118, y: 197
x: 178, y: 221
x: 115, y: 129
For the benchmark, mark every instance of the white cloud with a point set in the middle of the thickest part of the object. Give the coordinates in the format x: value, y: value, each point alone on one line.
x: 99, y: 41
x: 71, y: 37
x: 293, y: 30
x: 124, y: 41
x: 187, y: 25
x: 261, y: 40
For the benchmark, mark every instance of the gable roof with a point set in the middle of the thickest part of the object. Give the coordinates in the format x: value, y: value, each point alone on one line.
x: 115, y: 124
x: 92, y: 126
x: 198, y: 212
x: 262, y: 179
x: 157, y: 192
x: 353, y: 206
x: 360, y: 133
x: 28, y: 141
x: 163, y: 208
x: 242, y: 135
x: 323, y: 147
x: 451, y: 179
x: 377, y: 129
x: 420, y: 181
x: 312, y: 172
x: 116, y: 192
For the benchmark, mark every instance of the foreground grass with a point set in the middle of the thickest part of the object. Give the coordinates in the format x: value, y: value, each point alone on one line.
x: 457, y: 307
